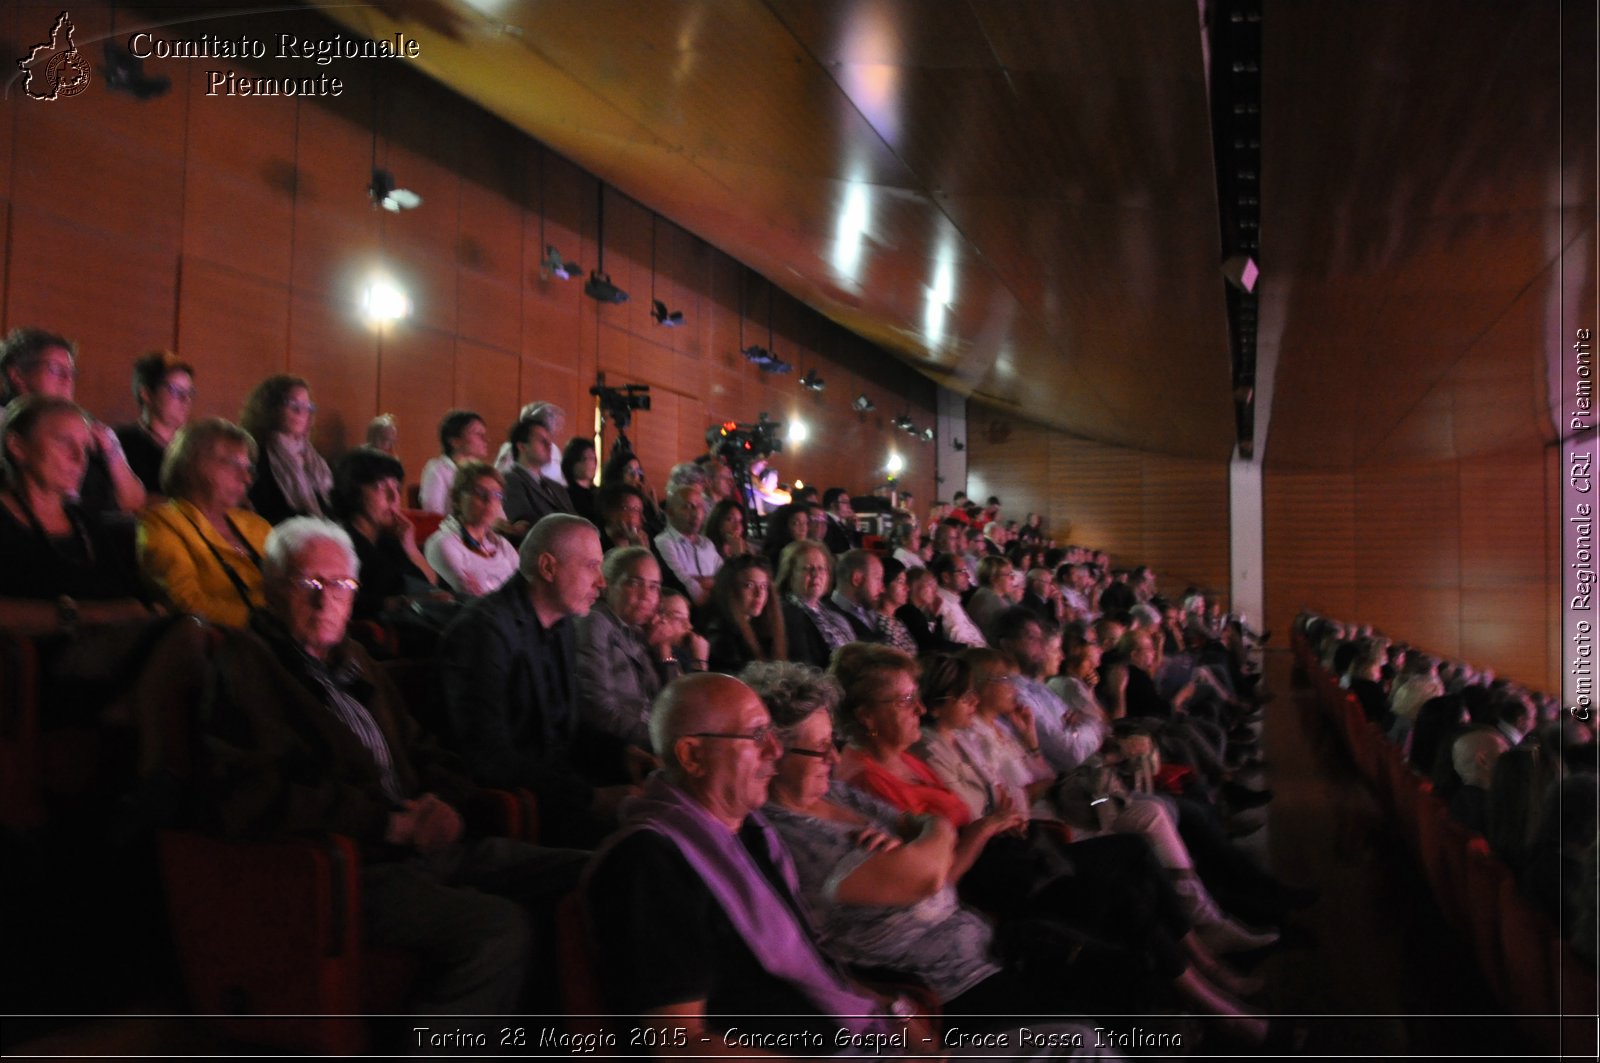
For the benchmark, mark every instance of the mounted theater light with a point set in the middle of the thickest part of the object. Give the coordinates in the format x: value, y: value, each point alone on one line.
x: 383, y: 301
x: 599, y: 287
x: 386, y: 194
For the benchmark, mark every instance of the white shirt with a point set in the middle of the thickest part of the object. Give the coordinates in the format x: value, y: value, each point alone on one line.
x: 958, y: 626
x: 463, y: 568
x: 437, y: 476
x: 689, y: 561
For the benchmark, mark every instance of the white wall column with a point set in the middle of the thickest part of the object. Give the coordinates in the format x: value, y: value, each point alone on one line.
x: 1245, y: 534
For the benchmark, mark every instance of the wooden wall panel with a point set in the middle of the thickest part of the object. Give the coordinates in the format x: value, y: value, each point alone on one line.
x: 1452, y: 556
x: 115, y: 297
x: 1142, y: 508
x: 234, y: 328
x: 241, y: 233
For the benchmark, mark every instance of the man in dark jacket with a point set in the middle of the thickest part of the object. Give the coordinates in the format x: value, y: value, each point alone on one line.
x: 510, y: 680
x: 304, y: 733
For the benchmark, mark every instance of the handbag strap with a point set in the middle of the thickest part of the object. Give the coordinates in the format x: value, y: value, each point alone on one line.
x: 233, y: 577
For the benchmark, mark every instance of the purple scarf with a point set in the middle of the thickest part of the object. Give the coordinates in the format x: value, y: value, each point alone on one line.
x: 772, y: 930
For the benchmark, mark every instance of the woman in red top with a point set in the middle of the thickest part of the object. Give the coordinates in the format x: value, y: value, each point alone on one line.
x: 1109, y: 890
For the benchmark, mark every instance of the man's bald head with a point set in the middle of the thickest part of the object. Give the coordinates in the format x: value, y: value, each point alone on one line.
x: 704, y: 701
x: 1474, y: 754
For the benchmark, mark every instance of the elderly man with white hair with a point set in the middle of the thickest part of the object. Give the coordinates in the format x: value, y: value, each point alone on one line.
x: 304, y: 733
x: 683, y: 548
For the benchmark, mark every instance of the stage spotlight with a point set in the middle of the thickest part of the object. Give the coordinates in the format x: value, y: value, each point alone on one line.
x: 599, y: 288
x: 383, y: 301
x: 862, y: 404
x: 896, y: 465
x: 927, y: 435
x: 812, y: 382
x: 664, y: 317
x: 798, y: 432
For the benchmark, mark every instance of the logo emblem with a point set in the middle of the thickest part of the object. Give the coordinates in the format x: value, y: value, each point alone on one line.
x: 55, y: 69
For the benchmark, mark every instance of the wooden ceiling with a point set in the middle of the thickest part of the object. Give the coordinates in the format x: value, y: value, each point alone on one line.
x: 1018, y: 196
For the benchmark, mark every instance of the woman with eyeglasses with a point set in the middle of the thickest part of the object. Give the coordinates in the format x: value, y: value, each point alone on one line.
x: 201, y: 550
x: 466, y: 552
x: 746, y: 622
x: 623, y: 467
x: 292, y: 479
x: 805, y: 572
x: 163, y: 386
x: 625, y: 657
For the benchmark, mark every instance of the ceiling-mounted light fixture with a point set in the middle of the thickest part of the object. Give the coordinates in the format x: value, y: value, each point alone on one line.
x: 862, y: 404
x: 766, y: 358
x: 812, y: 382
x: 125, y: 72
x: 558, y: 266
x: 554, y: 263
x: 895, y: 465
x: 903, y: 423
x: 658, y: 310
x: 599, y: 287
x: 958, y: 445
x: 387, y: 195
x: 927, y: 435
x: 383, y: 301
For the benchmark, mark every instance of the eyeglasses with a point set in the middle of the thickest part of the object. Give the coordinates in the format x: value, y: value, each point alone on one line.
x: 815, y: 570
x: 902, y: 701
x: 300, y: 407
x: 825, y: 753
x: 486, y: 494
x: 182, y: 394
x: 334, y: 588
x: 634, y: 583
x: 244, y: 465
x: 758, y: 736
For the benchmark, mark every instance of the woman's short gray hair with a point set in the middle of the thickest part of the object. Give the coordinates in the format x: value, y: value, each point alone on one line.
x: 792, y: 691
x: 294, y: 535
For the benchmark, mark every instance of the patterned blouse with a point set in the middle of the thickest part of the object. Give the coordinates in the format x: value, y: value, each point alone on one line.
x: 938, y: 939
x: 835, y: 628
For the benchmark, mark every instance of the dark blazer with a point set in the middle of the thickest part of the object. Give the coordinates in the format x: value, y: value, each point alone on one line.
x: 279, y: 761
x: 806, y: 643
x: 839, y: 537
x: 511, y: 698
x: 527, y: 500
x: 862, y: 632
x: 927, y: 636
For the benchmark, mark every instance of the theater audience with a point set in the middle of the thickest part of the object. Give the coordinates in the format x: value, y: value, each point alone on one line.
x: 840, y: 516
x: 69, y: 586
x: 510, y: 688
x: 699, y: 876
x: 955, y: 625
x: 36, y: 362
x: 624, y: 659
x: 787, y: 523
x: 1474, y: 755
x: 804, y: 573
x: 200, y: 550
x: 880, y: 882
x: 683, y: 547
x: 622, y: 509
x: 725, y: 527
x: 463, y: 437
x: 465, y: 551
x: 394, y: 572
x: 623, y: 467
x: 745, y: 617
x: 304, y: 733
x: 163, y: 386
x: 578, y: 467
x: 531, y: 493
x: 896, y: 595
x: 383, y: 435
x: 292, y: 479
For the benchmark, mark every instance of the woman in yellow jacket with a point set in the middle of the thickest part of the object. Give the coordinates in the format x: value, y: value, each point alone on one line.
x: 200, y: 550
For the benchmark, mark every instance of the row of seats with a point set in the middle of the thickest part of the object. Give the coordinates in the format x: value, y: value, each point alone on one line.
x: 1519, y: 951
x: 269, y: 928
